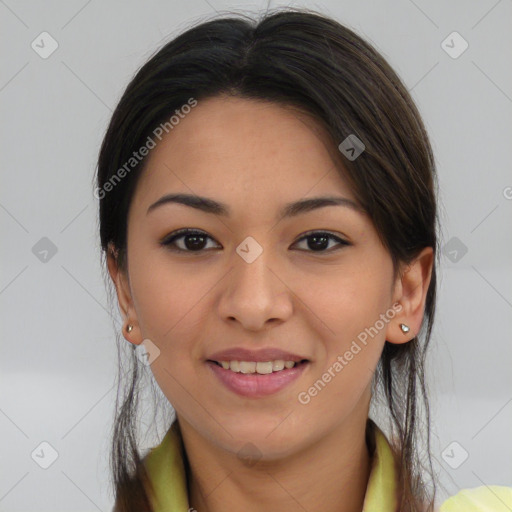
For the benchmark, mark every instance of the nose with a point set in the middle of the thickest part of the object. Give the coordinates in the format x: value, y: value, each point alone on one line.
x: 255, y: 294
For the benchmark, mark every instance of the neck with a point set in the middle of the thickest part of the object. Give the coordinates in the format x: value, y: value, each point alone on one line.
x: 330, y: 475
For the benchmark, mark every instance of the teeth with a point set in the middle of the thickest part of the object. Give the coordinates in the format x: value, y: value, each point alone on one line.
x: 246, y: 367
x: 277, y: 365
x: 257, y: 367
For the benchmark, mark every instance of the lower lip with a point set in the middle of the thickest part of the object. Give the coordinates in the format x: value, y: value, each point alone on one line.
x: 254, y: 385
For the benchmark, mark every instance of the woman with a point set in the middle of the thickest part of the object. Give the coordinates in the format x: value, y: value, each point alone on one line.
x: 268, y: 214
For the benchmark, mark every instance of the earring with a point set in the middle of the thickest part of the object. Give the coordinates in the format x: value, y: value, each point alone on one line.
x: 129, y: 328
x: 405, y: 328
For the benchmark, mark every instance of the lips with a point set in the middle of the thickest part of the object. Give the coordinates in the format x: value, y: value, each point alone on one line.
x: 255, y: 385
x: 261, y: 355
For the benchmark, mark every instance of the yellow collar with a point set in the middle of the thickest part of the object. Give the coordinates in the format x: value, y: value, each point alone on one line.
x: 167, y: 473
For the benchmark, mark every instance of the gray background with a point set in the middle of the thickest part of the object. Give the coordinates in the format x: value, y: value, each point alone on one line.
x: 58, y: 344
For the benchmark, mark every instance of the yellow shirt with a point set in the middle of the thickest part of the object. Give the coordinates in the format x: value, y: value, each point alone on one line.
x: 167, y: 473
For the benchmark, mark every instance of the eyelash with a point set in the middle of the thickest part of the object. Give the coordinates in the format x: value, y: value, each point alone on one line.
x: 169, y: 240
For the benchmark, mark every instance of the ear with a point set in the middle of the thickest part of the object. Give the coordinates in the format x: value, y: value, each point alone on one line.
x: 119, y: 277
x: 410, y: 292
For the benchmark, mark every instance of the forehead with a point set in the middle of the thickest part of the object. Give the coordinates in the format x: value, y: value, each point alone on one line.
x: 255, y: 149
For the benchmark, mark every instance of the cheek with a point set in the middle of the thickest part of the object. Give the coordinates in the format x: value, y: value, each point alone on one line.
x: 171, y: 310
x: 347, y: 308
x: 345, y: 303
x: 166, y: 296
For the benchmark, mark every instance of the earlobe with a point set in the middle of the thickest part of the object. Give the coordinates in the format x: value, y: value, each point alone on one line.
x: 411, y: 292
x: 405, y: 328
x: 120, y: 279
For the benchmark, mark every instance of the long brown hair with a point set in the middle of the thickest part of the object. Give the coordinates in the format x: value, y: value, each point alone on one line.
x: 303, y: 59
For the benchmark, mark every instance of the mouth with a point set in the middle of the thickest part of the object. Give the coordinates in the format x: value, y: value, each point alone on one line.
x: 251, y: 379
x: 258, y: 367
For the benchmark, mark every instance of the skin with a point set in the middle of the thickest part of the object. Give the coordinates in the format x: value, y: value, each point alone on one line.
x: 255, y: 157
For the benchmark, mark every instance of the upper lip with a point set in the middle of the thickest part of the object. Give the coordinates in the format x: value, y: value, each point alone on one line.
x: 261, y: 355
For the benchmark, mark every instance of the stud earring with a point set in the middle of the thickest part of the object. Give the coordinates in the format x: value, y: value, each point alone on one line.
x: 405, y: 328
x: 129, y: 328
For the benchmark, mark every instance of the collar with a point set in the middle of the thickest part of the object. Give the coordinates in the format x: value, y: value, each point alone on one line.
x: 165, y: 465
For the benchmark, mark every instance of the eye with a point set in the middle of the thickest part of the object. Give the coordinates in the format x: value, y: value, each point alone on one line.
x: 190, y: 240
x: 318, y: 241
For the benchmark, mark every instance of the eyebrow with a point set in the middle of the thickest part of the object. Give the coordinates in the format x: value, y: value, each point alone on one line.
x: 209, y: 205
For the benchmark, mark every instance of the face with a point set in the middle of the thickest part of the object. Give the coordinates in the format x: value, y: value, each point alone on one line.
x: 308, y: 283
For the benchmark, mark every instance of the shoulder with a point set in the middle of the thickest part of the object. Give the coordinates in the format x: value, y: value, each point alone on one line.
x: 486, y: 498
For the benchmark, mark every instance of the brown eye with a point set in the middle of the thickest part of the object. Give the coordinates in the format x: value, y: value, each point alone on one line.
x: 194, y: 241
x: 318, y: 241
x: 187, y: 240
